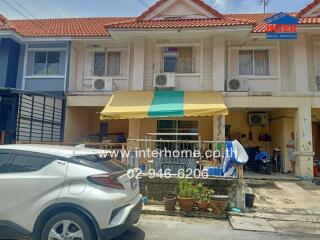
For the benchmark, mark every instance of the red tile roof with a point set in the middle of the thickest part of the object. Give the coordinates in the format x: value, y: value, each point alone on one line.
x: 68, y: 27
x: 181, y: 23
x: 308, y: 8
x: 254, y: 17
x: 98, y: 27
x: 161, y: 2
x: 260, y: 26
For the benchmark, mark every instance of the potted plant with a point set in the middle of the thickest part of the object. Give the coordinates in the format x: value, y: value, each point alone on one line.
x: 186, y: 195
x: 202, y: 196
x: 169, y: 201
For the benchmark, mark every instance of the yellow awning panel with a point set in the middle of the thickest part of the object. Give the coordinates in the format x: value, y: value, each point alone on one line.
x: 157, y: 104
x: 204, y: 104
x: 127, y: 105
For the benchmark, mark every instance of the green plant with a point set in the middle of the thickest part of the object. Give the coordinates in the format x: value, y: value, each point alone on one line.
x: 186, y: 189
x: 202, y: 193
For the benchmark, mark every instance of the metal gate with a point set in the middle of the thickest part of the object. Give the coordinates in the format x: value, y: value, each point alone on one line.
x: 40, y: 119
x: 37, y: 117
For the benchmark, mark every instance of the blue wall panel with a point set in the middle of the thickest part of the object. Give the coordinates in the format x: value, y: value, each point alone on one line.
x: 9, y: 58
x: 44, y: 84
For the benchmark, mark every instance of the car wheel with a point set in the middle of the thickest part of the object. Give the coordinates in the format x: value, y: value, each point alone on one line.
x: 67, y: 226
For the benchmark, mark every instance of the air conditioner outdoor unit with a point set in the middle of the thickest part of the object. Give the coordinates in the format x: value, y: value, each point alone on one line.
x: 102, y: 84
x: 258, y: 118
x: 164, y: 80
x: 236, y: 84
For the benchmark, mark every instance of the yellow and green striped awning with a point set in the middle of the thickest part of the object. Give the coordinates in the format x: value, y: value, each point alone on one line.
x: 158, y: 104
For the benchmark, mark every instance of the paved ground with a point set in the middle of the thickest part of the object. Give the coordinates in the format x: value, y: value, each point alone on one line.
x: 291, y: 208
x: 175, y: 228
x: 286, y: 196
x: 249, y: 174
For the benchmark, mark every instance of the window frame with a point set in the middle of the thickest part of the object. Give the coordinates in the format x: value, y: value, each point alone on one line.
x: 193, y: 60
x: 176, y: 127
x: 46, y: 63
x: 11, y: 153
x: 94, y: 61
x: 253, y: 50
x: 106, y: 52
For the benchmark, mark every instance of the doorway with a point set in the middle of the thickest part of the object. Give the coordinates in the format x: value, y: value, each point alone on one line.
x: 316, y: 139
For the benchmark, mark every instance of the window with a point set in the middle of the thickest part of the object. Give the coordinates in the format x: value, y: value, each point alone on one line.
x: 46, y: 63
x: 254, y: 62
x: 113, y: 63
x: 4, y: 158
x: 99, y: 64
x: 173, y: 128
x: 25, y: 163
x: 113, y: 67
x: 178, y: 59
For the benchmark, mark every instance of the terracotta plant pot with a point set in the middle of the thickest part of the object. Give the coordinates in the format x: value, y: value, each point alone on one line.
x: 186, y: 204
x: 219, y: 203
x: 203, y: 206
x: 169, y: 202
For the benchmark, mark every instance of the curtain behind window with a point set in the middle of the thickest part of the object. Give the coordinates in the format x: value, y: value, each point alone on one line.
x: 246, y: 62
x: 185, y: 60
x: 114, y: 62
x: 177, y: 59
x: 39, y: 65
x: 261, y: 62
x: 53, y: 63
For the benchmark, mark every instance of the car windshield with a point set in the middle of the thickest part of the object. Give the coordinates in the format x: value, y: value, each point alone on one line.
x: 102, y: 163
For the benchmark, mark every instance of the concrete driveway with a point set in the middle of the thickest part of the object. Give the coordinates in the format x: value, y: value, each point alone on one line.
x: 291, y: 208
x: 152, y: 227
x: 286, y: 196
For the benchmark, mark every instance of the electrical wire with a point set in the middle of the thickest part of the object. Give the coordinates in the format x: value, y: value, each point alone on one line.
x: 22, y: 7
x: 14, y: 9
x: 21, y: 13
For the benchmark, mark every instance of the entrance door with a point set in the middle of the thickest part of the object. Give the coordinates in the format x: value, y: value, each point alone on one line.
x: 8, y: 113
x: 316, y: 139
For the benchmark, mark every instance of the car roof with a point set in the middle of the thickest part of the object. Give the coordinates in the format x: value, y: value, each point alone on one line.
x: 56, y: 150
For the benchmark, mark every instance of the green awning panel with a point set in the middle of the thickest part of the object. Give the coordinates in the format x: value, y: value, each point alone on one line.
x: 167, y: 104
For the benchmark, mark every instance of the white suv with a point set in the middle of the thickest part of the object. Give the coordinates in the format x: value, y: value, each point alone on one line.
x: 64, y: 193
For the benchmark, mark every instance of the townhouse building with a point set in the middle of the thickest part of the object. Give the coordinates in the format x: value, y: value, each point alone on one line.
x: 179, y: 67
x: 33, y: 81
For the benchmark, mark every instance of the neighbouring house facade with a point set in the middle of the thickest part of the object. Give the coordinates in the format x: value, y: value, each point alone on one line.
x: 113, y: 65
x: 33, y: 82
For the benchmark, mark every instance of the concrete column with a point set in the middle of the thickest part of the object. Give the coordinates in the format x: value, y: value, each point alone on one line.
x: 303, y: 136
x: 134, y: 133
x: 219, y: 60
x: 300, y: 64
x: 219, y: 128
x: 138, y: 63
x: 134, y: 128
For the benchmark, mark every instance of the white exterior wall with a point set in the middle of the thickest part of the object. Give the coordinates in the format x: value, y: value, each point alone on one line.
x: 82, y: 59
x: 207, y: 79
x: 300, y: 64
x: 270, y: 83
x: 311, y: 63
x: 219, y: 63
x: 293, y: 64
x: 185, y: 81
x: 138, y: 63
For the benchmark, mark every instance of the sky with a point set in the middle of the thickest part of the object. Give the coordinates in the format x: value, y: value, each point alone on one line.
x: 18, y: 9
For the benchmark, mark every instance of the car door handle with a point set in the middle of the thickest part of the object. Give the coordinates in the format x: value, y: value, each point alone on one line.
x: 61, y: 162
